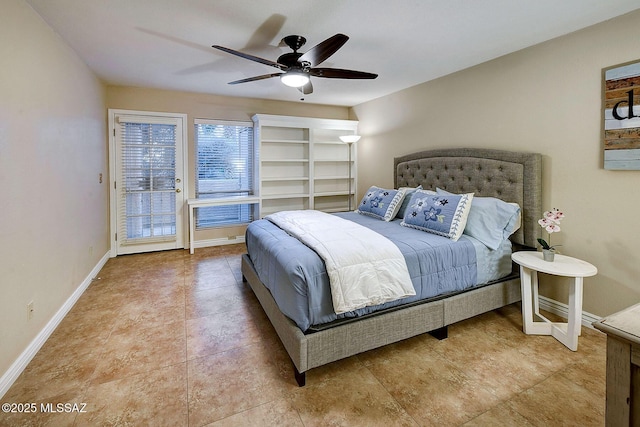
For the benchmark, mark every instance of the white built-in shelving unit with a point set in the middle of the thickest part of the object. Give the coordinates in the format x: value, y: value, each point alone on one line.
x: 302, y: 164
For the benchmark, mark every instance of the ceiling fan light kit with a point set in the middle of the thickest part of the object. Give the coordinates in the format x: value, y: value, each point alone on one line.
x: 297, y: 68
x: 294, y: 78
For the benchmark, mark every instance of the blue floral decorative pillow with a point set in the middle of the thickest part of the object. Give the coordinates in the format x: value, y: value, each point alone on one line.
x: 381, y: 203
x: 444, y: 215
x: 407, y: 198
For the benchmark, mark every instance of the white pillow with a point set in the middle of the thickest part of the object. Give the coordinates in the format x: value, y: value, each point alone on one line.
x: 516, y: 221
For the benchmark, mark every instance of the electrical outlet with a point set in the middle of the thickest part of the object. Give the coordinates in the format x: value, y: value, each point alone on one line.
x: 30, y: 310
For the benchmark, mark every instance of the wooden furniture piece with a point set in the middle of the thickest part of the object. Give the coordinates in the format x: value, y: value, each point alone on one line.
x: 623, y: 366
x: 303, y: 164
x: 531, y: 263
x: 511, y: 176
x: 193, y: 204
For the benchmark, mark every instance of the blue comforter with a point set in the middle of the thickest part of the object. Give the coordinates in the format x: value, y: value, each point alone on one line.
x: 296, y: 277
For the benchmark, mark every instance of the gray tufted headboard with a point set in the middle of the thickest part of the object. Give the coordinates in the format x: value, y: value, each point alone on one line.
x: 507, y: 175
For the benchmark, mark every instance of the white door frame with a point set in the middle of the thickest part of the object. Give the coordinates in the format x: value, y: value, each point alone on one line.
x: 112, y: 173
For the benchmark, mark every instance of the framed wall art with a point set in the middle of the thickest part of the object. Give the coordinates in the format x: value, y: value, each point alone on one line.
x: 621, y: 111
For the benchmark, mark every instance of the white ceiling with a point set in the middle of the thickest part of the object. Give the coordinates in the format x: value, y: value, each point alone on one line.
x: 167, y: 43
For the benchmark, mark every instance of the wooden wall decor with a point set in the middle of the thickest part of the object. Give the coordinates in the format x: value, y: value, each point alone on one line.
x: 622, y: 117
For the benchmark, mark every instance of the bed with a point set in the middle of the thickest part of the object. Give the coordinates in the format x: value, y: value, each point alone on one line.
x: 510, y: 176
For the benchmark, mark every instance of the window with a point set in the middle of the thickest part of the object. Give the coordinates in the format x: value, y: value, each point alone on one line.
x: 224, y: 168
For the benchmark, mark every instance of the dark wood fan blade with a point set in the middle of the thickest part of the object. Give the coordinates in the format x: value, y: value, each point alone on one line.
x: 323, y: 50
x: 337, y: 73
x: 251, y: 57
x: 306, y: 89
x: 253, y: 79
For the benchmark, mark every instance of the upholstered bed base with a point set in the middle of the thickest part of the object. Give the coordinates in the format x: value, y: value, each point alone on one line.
x: 309, y: 351
x: 513, y: 177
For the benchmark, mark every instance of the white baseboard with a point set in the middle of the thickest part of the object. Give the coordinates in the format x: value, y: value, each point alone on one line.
x: 14, y: 371
x: 562, y: 310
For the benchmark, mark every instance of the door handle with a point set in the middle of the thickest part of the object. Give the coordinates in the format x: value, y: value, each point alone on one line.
x: 178, y: 190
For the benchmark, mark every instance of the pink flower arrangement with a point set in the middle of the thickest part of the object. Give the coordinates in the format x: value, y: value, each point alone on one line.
x: 551, y: 223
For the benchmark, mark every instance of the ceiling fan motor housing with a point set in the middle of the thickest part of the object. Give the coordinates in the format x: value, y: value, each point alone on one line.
x: 289, y: 59
x: 294, y: 42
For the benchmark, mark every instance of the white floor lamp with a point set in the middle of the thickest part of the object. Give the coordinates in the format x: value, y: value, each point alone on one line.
x: 350, y: 140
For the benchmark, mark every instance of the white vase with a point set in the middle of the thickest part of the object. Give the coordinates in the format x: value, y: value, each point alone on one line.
x: 548, y: 254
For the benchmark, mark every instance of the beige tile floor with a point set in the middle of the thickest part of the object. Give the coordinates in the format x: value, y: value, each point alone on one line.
x: 178, y: 340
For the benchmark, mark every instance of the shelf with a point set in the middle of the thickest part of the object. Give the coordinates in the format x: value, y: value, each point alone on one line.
x: 285, y: 196
x: 293, y: 178
x: 319, y: 178
x: 330, y: 143
x: 285, y: 141
x: 304, y: 164
x: 332, y: 193
x: 285, y: 160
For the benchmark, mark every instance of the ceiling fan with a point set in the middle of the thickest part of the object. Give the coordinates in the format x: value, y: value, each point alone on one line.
x: 297, y: 68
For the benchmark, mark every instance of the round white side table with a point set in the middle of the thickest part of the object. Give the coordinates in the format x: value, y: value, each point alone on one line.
x: 530, y: 264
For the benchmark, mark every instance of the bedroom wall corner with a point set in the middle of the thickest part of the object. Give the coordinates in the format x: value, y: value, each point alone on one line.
x: 546, y: 99
x: 53, y: 149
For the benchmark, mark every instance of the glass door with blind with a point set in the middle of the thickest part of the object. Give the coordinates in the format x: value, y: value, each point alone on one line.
x: 148, y: 182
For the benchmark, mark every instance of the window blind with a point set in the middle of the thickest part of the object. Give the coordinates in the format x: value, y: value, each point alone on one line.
x: 224, y: 168
x: 147, y: 181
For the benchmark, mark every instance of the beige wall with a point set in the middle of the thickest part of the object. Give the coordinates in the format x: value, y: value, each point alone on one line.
x: 53, y: 225
x: 545, y: 99
x: 203, y: 106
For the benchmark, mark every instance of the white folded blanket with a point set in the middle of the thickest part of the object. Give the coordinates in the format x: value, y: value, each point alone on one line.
x: 364, y: 267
